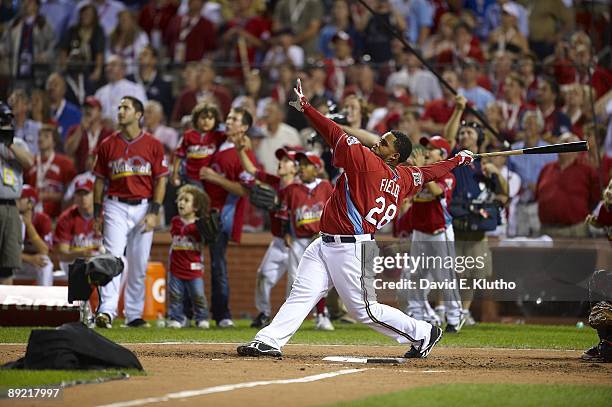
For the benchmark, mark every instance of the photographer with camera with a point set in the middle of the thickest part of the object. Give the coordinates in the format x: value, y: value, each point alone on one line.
x: 473, y: 207
x: 15, y: 158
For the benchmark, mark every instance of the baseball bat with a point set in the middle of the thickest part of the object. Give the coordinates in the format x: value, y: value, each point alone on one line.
x: 560, y: 148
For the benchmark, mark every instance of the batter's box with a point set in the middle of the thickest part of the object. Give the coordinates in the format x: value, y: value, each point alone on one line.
x: 348, y: 359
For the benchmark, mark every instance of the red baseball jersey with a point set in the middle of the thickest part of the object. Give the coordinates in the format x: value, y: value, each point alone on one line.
x: 231, y: 207
x: 51, y: 175
x: 367, y: 195
x: 42, y: 224
x: 197, y: 150
x: 303, y: 207
x: 430, y: 214
x: 76, y: 231
x: 131, y: 166
x: 186, y: 261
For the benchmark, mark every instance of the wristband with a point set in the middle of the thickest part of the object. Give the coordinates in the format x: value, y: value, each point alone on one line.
x: 97, y: 210
x: 154, y: 208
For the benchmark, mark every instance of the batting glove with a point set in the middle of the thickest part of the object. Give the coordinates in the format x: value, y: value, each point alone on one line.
x: 301, y: 101
x: 465, y: 157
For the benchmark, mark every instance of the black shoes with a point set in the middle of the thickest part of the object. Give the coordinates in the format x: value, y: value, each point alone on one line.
x: 260, y: 321
x: 137, y: 323
x: 451, y: 329
x: 434, y: 338
x: 258, y: 348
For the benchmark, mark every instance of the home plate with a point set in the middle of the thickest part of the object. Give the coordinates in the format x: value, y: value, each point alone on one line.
x: 347, y: 359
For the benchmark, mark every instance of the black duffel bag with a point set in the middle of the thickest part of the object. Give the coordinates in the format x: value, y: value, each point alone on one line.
x: 475, y: 216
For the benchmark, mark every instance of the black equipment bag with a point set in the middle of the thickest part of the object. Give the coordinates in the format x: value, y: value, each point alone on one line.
x: 475, y: 216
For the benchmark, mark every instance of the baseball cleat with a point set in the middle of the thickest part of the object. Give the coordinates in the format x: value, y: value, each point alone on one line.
x: 451, y: 329
x: 136, y: 323
x: 434, y: 338
x: 260, y: 321
x: 258, y: 348
x: 592, y: 354
x: 203, y: 324
x: 174, y: 324
x: 323, y: 323
x: 226, y: 323
x: 103, y: 320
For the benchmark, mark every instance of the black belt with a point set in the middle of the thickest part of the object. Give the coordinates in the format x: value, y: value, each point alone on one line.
x: 343, y: 239
x: 10, y: 202
x: 129, y: 201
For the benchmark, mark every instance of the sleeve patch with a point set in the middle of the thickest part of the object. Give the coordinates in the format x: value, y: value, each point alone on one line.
x: 417, y: 177
x: 351, y: 140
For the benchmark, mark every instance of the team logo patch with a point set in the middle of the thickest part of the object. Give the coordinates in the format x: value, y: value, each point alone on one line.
x: 418, y: 178
x: 351, y: 140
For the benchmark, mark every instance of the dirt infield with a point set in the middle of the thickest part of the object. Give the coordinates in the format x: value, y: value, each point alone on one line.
x: 176, y: 368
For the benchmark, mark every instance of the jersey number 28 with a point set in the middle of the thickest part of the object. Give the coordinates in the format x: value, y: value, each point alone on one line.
x: 389, y: 213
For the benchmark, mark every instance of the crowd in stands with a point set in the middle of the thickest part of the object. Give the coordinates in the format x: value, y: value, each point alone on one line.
x: 538, y: 71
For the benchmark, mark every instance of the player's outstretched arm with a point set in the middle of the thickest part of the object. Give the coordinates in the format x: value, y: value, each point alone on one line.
x: 330, y: 131
x: 434, y: 171
x: 365, y: 137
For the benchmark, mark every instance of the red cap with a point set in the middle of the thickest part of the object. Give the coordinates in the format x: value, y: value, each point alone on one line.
x: 93, y: 102
x: 437, y: 142
x: 29, y: 192
x: 284, y: 152
x: 83, y: 183
x: 312, y: 157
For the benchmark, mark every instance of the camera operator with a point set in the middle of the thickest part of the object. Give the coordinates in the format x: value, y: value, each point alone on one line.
x: 473, y: 207
x: 14, y: 159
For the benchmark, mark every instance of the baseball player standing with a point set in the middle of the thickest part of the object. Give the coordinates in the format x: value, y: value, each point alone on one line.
x: 274, y: 263
x: 364, y: 200
x: 132, y: 162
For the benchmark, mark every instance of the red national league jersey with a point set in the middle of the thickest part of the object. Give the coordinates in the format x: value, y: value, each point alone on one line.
x: 303, y: 207
x: 197, y: 150
x: 431, y: 214
x: 54, y: 177
x: 42, y: 224
x: 186, y: 261
x: 367, y: 196
x: 131, y: 166
x: 76, y: 231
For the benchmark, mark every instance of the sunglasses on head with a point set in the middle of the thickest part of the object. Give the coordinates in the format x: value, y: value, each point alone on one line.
x: 474, y: 125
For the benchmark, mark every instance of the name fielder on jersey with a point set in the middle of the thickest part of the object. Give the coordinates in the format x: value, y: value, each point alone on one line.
x: 390, y: 186
x: 308, y: 214
x: 132, y: 166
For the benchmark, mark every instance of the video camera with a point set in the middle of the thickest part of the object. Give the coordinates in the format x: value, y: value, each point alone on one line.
x: 7, y: 127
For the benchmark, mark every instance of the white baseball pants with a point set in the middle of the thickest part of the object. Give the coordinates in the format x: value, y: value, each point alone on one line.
x: 43, y: 275
x: 340, y: 265
x: 122, y: 229
x: 272, y: 268
x: 296, y: 251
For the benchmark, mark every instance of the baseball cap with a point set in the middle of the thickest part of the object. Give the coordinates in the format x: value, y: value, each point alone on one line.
x: 284, y: 152
x: 83, y: 184
x: 29, y: 191
x: 312, y: 157
x: 511, y: 8
x: 437, y: 142
x: 342, y: 36
x: 92, y: 101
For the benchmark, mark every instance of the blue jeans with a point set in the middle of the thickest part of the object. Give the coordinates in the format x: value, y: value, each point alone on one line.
x: 219, y: 284
x: 177, y: 287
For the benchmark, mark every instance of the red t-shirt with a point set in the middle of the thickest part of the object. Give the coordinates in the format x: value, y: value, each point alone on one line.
x: 42, y: 224
x: 430, y: 214
x: 200, y: 37
x: 566, y: 196
x: 76, y: 231
x: 231, y: 207
x: 259, y: 27
x: 84, y: 149
x: 197, y: 149
x: 303, y: 207
x: 186, y: 261
x: 438, y: 111
x: 367, y: 195
x: 131, y: 166
x: 51, y: 176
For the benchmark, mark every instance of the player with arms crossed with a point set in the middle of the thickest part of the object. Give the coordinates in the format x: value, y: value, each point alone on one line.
x: 365, y: 199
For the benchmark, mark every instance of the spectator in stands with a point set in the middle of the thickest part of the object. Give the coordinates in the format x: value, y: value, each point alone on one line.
x: 277, y: 135
x: 40, y: 106
x: 317, y: 79
x: 155, y: 16
x: 473, y: 92
x: 418, y: 15
x: 74, y: 233
x: 582, y: 61
x: 576, y: 98
x: 190, y: 37
x: 29, y: 40
x: 422, y: 85
x: 465, y: 46
x: 336, y: 67
x: 526, y: 69
x: 155, y: 85
x: 304, y: 18
x: 25, y: 129
x: 367, y: 88
x: 86, y: 36
x: 153, y: 123
x: 206, y: 87
x: 501, y: 65
x: 51, y: 173
x: 555, y: 121
x: 127, y: 41
x: 512, y: 105
x: 524, y: 219
x: 493, y: 18
x: 63, y: 112
x: 410, y: 126
x: 110, y: 95
x: 84, y: 138
x: 58, y: 14
x: 438, y: 112
x: 78, y: 84
x: 107, y: 11
x: 443, y: 40
x: 37, y: 240
x: 567, y: 192
x: 376, y: 38
x: 549, y: 22
x: 340, y: 21
x: 281, y: 52
x: 508, y: 37
x: 222, y: 183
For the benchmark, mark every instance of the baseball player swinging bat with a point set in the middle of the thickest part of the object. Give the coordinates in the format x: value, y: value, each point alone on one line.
x: 559, y: 148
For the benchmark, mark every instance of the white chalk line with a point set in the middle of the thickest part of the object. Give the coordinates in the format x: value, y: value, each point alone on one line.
x: 229, y: 387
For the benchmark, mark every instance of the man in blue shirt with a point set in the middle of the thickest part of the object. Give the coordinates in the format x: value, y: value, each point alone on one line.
x: 65, y: 113
x: 476, y: 94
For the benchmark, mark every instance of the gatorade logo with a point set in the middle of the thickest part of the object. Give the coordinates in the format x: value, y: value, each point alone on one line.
x: 159, y: 290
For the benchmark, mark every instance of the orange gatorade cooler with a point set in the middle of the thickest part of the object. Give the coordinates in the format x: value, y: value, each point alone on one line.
x: 155, y: 291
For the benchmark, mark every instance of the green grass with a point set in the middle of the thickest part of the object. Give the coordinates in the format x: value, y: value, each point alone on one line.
x: 481, y: 335
x: 523, y: 395
x: 32, y: 378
